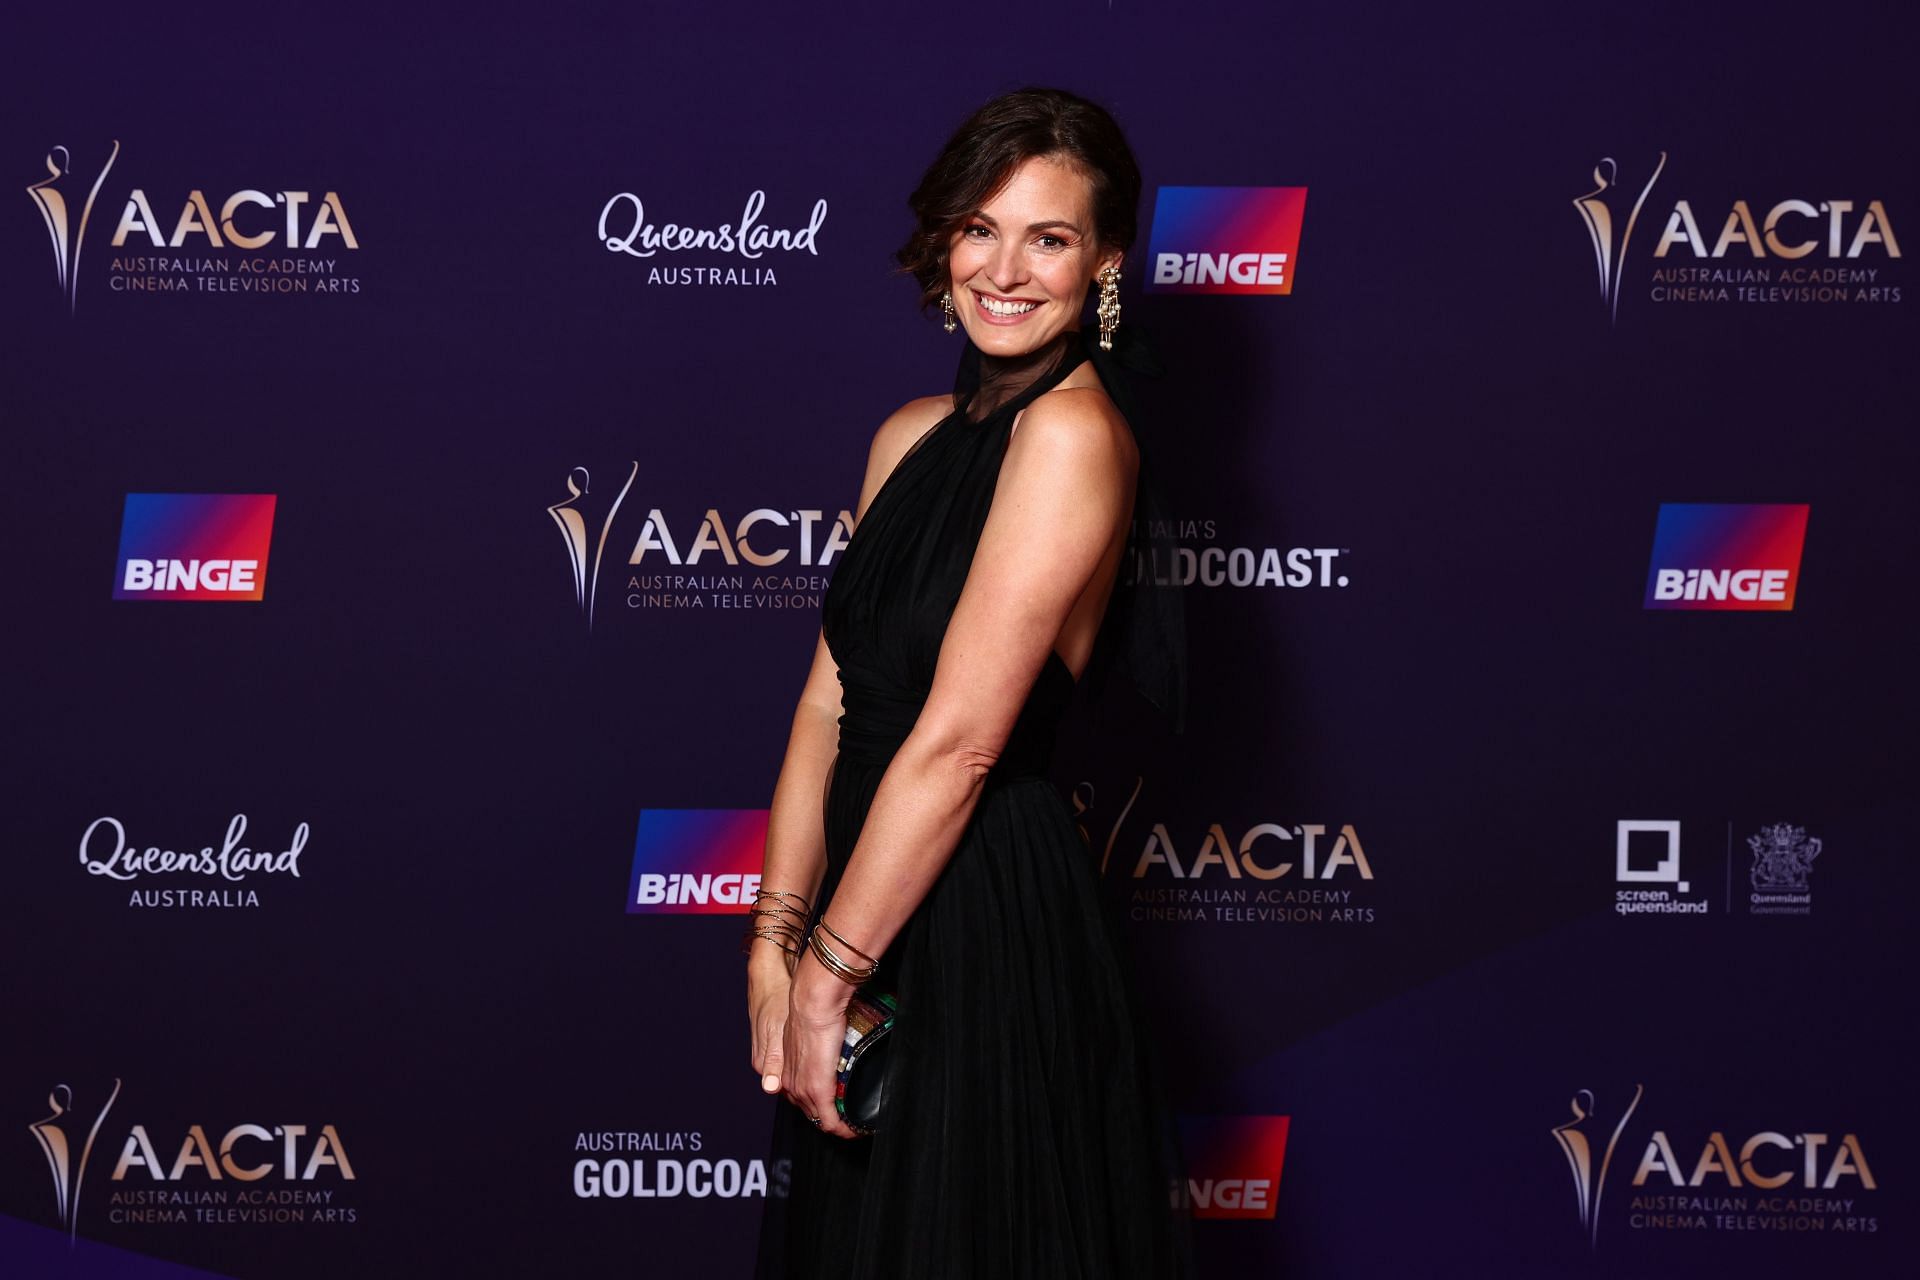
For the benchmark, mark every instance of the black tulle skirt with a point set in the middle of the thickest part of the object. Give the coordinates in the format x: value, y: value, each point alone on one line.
x: 1031, y: 1137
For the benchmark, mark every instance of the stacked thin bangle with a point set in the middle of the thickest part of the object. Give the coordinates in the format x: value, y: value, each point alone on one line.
x: 773, y: 917
x: 828, y: 956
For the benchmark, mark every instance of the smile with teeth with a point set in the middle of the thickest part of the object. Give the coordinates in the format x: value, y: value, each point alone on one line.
x: 997, y: 307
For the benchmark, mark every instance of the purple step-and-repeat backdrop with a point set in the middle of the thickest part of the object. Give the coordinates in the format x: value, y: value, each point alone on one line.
x: 421, y: 546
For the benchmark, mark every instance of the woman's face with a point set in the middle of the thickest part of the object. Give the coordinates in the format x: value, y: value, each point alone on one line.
x: 1022, y: 264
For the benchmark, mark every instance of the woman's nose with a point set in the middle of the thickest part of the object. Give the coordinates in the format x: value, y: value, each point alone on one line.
x: 1008, y: 269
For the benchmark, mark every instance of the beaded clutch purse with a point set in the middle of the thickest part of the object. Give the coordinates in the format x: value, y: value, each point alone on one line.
x: 866, y: 1076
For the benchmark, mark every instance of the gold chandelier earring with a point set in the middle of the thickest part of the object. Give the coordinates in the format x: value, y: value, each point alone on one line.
x: 946, y: 308
x: 1109, y: 308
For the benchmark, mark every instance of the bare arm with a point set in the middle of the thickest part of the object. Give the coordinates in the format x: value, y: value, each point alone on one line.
x: 1064, y: 495
x: 796, y: 854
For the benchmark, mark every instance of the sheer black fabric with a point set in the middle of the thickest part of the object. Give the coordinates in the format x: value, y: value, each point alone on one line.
x: 1032, y: 1136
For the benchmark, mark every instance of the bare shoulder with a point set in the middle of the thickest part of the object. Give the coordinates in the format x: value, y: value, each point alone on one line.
x: 1078, y: 426
x: 896, y: 436
x: 904, y: 426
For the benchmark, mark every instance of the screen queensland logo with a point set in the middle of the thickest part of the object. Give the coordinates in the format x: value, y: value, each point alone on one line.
x: 696, y: 861
x: 1647, y: 872
x: 1225, y: 239
x: 1726, y: 556
x: 1776, y: 247
x: 226, y: 239
x: 194, y: 546
x: 1233, y: 1165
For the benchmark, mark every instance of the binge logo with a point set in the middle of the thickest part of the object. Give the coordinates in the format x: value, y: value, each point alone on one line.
x: 194, y: 546
x: 696, y: 861
x: 1225, y: 239
x: 1726, y: 555
x: 1233, y: 1164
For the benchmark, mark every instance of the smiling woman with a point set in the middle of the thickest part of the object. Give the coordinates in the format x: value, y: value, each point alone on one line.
x: 916, y: 847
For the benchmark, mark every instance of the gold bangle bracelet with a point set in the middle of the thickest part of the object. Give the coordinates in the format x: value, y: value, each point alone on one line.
x: 837, y: 937
x: 853, y: 975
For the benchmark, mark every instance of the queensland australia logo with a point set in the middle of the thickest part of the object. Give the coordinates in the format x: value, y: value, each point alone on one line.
x: 696, y: 861
x: 1233, y: 1165
x: 1783, y: 1180
x: 1782, y: 863
x: 741, y: 252
x: 763, y: 559
x: 194, y: 546
x: 1189, y: 870
x: 239, y: 1176
x: 1726, y: 556
x: 1225, y: 239
x: 215, y: 875
x: 1790, y: 250
x: 244, y: 241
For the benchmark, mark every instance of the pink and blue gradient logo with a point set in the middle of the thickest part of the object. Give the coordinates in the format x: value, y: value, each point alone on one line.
x: 1709, y: 555
x: 1225, y: 239
x: 1233, y: 1164
x: 696, y: 861
x: 194, y: 546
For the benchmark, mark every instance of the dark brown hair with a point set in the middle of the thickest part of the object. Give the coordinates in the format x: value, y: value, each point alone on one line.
x: 983, y: 153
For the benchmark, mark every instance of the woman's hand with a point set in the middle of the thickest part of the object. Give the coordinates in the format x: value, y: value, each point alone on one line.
x: 815, y: 1033
x: 767, y: 986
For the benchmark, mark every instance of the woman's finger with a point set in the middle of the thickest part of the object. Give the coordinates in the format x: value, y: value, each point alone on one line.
x: 769, y: 1064
x: 818, y: 1067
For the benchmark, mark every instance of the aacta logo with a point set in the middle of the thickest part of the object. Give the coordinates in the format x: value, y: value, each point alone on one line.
x: 246, y: 1153
x: 1755, y: 257
x: 66, y: 1139
x: 59, y: 200
x: 1264, y: 851
x: 1738, y: 1181
x: 269, y: 225
x: 1225, y: 239
x: 1233, y: 1165
x: 696, y: 861
x: 305, y: 221
x: 764, y: 539
x: 1726, y: 556
x: 194, y: 546
x: 243, y: 1153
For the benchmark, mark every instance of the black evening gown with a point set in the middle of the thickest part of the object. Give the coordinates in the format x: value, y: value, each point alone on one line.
x: 1031, y: 1135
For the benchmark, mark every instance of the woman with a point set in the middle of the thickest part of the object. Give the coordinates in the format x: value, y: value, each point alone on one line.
x: 1025, y: 1133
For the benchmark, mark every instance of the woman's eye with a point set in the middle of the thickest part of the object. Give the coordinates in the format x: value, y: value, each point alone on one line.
x: 1052, y: 242
x: 976, y: 227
